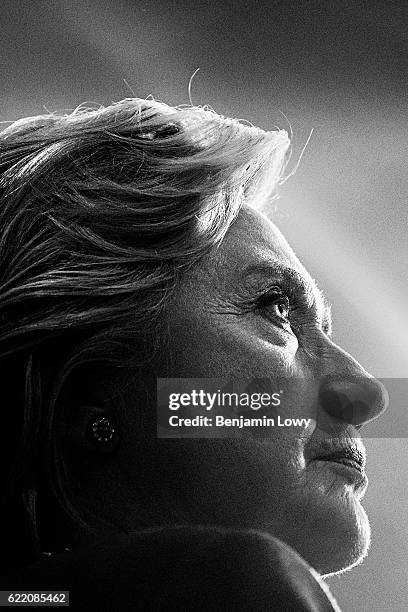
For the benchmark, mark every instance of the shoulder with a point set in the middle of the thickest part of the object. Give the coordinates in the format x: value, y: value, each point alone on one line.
x: 200, y: 568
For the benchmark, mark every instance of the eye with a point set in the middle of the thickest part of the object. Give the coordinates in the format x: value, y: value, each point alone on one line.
x: 275, y: 304
x: 280, y: 307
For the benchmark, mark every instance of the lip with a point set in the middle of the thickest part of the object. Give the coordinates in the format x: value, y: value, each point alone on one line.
x: 345, y: 456
x: 349, y: 457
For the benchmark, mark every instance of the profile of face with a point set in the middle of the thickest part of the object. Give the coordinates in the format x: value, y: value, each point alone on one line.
x: 221, y: 325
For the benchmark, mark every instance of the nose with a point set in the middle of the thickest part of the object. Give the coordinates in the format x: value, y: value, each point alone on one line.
x: 348, y: 394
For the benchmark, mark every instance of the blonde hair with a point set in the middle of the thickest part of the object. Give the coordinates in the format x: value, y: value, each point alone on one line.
x: 101, y: 211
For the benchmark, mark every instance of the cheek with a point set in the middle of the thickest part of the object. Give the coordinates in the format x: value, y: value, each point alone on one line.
x: 229, y: 347
x: 246, y: 478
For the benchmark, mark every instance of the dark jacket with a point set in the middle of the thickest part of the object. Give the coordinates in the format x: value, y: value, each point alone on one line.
x: 181, y: 568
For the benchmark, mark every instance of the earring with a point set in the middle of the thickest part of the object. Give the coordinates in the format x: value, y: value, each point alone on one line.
x: 102, y: 430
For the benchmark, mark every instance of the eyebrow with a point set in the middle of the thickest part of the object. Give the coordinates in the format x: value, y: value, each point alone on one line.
x: 306, y: 287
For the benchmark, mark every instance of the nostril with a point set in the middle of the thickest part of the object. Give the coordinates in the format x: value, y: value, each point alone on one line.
x: 342, y: 407
x: 354, y: 402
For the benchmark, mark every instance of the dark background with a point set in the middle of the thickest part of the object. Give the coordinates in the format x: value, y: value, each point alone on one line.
x: 337, y: 67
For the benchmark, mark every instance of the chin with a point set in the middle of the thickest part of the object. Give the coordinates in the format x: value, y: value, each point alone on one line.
x: 348, y: 537
x: 338, y: 536
x: 353, y: 543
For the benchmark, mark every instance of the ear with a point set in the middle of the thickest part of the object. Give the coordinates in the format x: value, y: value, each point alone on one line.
x: 90, y: 429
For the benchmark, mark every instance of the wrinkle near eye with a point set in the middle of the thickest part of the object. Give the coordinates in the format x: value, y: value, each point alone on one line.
x: 302, y: 288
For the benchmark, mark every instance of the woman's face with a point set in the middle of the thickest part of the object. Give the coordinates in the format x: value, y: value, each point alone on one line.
x: 221, y: 325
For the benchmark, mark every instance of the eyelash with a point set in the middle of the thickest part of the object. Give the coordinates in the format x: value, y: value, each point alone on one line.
x: 273, y: 296
x: 294, y: 304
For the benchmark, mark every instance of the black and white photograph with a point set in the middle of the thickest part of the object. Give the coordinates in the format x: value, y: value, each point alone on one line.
x: 203, y: 305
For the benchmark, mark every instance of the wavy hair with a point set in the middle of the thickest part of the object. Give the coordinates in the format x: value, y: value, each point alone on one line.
x: 101, y: 211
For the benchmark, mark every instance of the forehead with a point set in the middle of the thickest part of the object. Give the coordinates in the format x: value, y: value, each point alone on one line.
x: 254, y: 243
x: 253, y: 256
x: 254, y: 253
